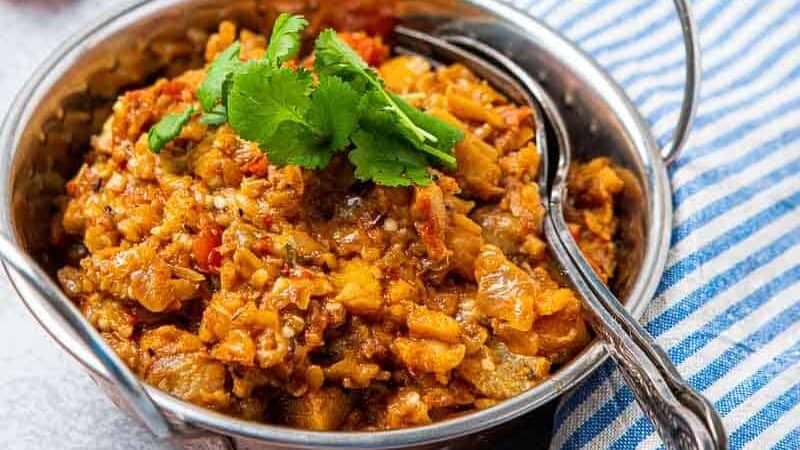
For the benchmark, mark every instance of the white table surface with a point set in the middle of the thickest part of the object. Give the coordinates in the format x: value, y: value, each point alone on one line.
x: 46, y: 399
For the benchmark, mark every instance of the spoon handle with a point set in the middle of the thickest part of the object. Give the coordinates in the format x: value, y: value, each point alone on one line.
x: 684, y: 419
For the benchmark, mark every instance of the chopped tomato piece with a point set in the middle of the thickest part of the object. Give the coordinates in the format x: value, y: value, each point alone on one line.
x: 204, y: 248
x: 214, y: 260
x: 257, y: 166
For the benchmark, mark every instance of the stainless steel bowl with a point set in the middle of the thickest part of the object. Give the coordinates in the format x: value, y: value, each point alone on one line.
x: 48, y: 128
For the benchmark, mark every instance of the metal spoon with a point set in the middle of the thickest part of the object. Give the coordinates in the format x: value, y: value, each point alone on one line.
x: 684, y: 419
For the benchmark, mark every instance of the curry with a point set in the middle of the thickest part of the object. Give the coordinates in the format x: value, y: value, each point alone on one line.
x: 314, y: 299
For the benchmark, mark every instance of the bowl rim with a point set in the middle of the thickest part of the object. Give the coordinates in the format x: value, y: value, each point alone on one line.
x: 657, y: 237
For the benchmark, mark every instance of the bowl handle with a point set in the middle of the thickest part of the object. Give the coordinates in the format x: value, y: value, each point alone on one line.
x: 691, y: 93
x: 123, y: 386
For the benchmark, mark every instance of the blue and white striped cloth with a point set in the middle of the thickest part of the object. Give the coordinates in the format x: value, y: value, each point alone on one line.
x: 728, y: 307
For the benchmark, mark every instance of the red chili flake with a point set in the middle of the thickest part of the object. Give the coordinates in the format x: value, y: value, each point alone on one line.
x: 263, y: 246
x: 266, y: 220
x: 391, y: 273
x: 72, y: 188
x: 214, y: 260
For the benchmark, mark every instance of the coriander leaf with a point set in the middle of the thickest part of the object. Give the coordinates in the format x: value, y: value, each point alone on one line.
x: 331, y: 119
x: 447, y: 135
x: 334, y: 112
x: 261, y: 98
x: 285, y: 41
x: 335, y: 57
x: 216, y: 116
x: 213, y: 119
x: 295, y: 143
x: 377, y: 118
x: 167, y: 129
x: 387, y: 160
x: 224, y: 65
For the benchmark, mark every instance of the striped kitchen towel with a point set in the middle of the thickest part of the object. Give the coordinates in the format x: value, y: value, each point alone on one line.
x: 728, y: 307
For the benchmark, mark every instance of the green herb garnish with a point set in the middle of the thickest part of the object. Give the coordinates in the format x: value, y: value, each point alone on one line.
x: 224, y: 65
x: 167, y: 129
x: 388, y: 161
x: 297, y: 120
x: 262, y: 98
x: 335, y: 57
x: 285, y: 41
x: 283, y: 46
x: 215, y: 117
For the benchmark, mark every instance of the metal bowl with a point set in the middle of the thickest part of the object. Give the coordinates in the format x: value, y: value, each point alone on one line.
x: 48, y: 128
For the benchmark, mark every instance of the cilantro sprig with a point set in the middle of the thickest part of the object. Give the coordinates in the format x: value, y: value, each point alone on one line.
x: 210, y: 92
x: 284, y: 44
x: 303, y: 120
x: 335, y: 57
